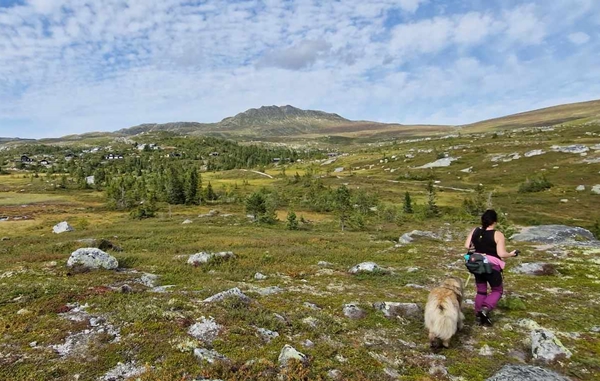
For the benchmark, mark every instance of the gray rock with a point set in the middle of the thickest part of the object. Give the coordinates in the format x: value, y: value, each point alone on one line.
x: 187, y: 222
x: 535, y: 152
x: 334, y: 374
x: 123, y: 372
x: 353, y: 311
x: 580, y: 188
x: 394, y: 309
x: 259, y: 276
x: 526, y: 373
x: 266, y: 334
x: 205, y: 330
x: 324, y: 264
x: 596, y: 189
x: 366, y: 267
x: 203, y: 257
x: 407, y: 238
x: 444, y: 162
x: 232, y: 293
x: 311, y: 306
x: 162, y: 289
x: 266, y: 291
x: 545, y: 346
x: 288, y: 353
x: 575, y: 148
x: 557, y: 235
x: 92, y: 258
x: 209, y: 356
x: 62, y: 227
x: 538, y: 268
x: 148, y: 280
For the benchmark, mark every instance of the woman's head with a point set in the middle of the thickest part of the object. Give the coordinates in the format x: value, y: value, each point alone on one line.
x: 489, y: 218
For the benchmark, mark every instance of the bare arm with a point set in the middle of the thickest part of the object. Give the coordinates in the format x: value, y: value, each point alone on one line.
x: 501, y: 246
x: 468, y: 241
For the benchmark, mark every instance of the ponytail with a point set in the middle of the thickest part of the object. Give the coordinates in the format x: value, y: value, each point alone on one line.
x: 488, y: 218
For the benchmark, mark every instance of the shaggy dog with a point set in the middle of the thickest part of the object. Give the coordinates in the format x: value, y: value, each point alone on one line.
x: 443, y: 315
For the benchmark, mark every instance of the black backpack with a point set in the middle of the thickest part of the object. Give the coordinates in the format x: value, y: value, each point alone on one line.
x: 477, y: 264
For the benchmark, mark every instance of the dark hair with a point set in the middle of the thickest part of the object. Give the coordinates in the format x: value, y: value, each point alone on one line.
x: 488, y: 218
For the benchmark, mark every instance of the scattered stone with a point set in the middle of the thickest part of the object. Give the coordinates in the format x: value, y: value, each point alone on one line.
x: 266, y: 291
x: 92, y: 258
x: 444, y: 162
x: 187, y: 222
x: 126, y: 289
x: 205, y: 330
x: 259, y: 276
x: 486, y: 350
x: 324, y: 264
x: 62, y: 227
x: 232, y: 293
x: 162, y: 289
x: 123, y: 372
x: 203, y: 257
x: 280, y: 318
x: 535, y: 152
x: 148, y: 280
x: 311, y: 306
x: 338, y: 170
x: 311, y: 322
x: 5, y: 239
x: 407, y: 238
x: 575, y: 148
x: 580, y: 188
x: 288, y: 353
x: 209, y: 356
x: 564, y: 200
x: 334, y: 374
x: 526, y: 373
x: 211, y: 213
x: 596, y: 189
x: 394, y: 309
x: 595, y: 329
x: 267, y: 335
x: 557, y: 235
x: 538, y: 268
x: 467, y: 170
x: 417, y: 286
x: 545, y: 346
x: 308, y: 343
x: 23, y: 311
x: 353, y: 311
x: 366, y: 267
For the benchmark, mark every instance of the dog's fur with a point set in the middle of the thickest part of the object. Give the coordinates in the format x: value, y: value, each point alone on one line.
x: 443, y: 312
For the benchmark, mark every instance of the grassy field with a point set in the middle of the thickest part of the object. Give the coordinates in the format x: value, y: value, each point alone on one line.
x: 36, y: 287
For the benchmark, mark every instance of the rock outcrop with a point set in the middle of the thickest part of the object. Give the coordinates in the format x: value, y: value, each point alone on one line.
x: 92, y: 259
x: 366, y: 267
x: 232, y: 293
x: 526, y: 373
x: 545, y: 346
x: 395, y: 309
x: 557, y: 235
x: 203, y: 257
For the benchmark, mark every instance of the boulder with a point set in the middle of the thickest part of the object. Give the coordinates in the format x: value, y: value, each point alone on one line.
x: 526, y: 373
x: 580, y: 188
x: 596, y: 189
x: 393, y: 309
x: 557, y: 235
x: 353, y: 311
x: 538, y: 268
x: 409, y: 237
x: 366, y: 267
x: 92, y: 258
x: 203, y: 257
x: 123, y: 372
x: 444, y: 162
x: 62, y: 227
x: 259, y: 276
x: 187, y: 222
x: 205, y: 330
x: 545, y: 346
x: 288, y: 353
x: 148, y: 280
x: 232, y: 293
x: 209, y: 356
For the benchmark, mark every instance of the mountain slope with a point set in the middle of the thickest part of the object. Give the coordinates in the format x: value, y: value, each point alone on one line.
x: 542, y: 117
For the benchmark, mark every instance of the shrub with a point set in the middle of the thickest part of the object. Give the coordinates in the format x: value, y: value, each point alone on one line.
x: 535, y: 184
x: 292, y: 221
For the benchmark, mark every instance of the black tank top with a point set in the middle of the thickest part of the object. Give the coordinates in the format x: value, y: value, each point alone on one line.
x: 484, y: 242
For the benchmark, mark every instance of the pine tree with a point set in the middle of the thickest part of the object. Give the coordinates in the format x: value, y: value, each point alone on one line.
x: 175, y: 191
x: 256, y: 205
x: 342, y: 205
x: 210, y: 194
x: 191, y: 187
x: 432, y: 208
x: 407, y: 203
x: 292, y: 221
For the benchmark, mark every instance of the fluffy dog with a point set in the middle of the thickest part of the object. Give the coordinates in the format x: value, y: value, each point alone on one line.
x: 443, y: 315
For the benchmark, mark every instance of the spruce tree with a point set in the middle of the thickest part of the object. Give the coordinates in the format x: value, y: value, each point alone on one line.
x: 210, y: 194
x: 175, y: 191
x: 292, y: 221
x: 407, y: 203
x: 191, y: 187
x: 342, y: 205
x: 432, y: 208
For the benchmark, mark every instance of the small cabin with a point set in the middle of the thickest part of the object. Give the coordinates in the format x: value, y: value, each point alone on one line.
x: 176, y: 155
x: 45, y: 163
x: 69, y: 157
x: 214, y: 154
x: 26, y: 159
x: 276, y: 159
x: 332, y: 154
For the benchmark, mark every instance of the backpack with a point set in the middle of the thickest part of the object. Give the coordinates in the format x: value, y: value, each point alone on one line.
x: 477, y: 264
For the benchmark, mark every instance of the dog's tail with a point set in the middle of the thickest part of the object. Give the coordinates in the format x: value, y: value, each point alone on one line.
x: 441, y: 318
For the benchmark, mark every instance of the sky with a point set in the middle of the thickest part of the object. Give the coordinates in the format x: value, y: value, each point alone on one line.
x: 74, y: 66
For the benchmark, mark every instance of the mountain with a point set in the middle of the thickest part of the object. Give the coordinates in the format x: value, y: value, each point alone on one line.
x: 282, y: 121
x: 549, y: 116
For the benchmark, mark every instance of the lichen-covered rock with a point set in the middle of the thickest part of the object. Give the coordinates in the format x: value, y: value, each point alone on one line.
x: 187, y: 222
x: 205, y: 330
x: 209, y: 356
x: 557, y: 235
x: 123, y: 372
x: 203, y: 257
x: 526, y: 373
x: 266, y: 334
x: 538, y: 268
x: 62, y: 227
x: 394, y: 309
x: 148, y: 280
x: 366, y: 267
x: 232, y: 293
x: 596, y: 189
x: 407, y: 238
x: 260, y: 276
x: 92, y: 258
x: 545, y: 346
x: 289, y: 353
x: 353, y: 311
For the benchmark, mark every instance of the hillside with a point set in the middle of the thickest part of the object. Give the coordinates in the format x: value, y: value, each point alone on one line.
x: 548, y: 116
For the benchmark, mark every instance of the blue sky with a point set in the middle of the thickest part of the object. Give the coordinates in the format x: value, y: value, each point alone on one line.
x: 73, y: 66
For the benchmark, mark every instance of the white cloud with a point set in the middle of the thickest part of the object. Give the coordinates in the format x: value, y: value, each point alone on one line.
x: 579, y: 38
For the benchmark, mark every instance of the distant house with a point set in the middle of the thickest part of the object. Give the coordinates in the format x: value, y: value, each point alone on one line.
x: 112, y: 156
x: 26, y: 159
x: 276, y: 159
x: 332, y: 154
x: 90, y: 180
x: 175, y: 155
x: 45, y: 163
x: 69, y: 157
x: 214, y: 154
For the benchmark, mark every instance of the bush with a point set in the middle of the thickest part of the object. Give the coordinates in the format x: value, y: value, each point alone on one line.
x: 292, y: 221
x: 145, y: 210
x: 536, y: 184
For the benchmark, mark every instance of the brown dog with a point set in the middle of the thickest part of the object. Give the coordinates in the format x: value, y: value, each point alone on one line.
x: 443, y: 312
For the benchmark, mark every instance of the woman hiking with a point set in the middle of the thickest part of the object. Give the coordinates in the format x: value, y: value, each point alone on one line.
x: 488, y: 241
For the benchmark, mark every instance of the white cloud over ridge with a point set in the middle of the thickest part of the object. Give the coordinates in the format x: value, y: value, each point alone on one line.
x: 69, y: 66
